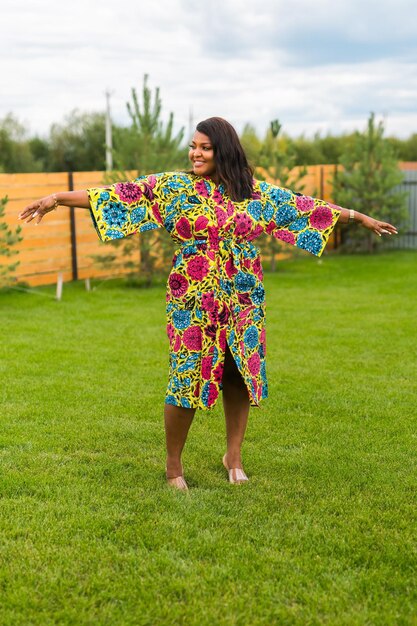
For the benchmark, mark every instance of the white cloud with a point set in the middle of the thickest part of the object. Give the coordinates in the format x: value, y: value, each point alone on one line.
x: 316, y: 66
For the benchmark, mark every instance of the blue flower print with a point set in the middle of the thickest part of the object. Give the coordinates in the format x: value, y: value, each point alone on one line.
x: 244, y: 282
x: 285, y: 215
x: 258, y: 295
x: 231, y: 339
x: 251, y: 337
x: 226, y: 286
x: 114, y: 234
x: 299, y: 224
x: 268, y: 212
x: 115, y: 214
x: 255, y: 209
x: 104, y: 196
x: 181, y: 319
x: 205, y: 393
x: 138, y: 214
x: 279, y: 195
x: 311, y: 241
x: 170, y: 400
x: 185, y: 403
x: 149, y: 226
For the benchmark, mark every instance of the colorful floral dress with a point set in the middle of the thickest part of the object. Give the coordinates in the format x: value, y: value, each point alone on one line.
x: 215, y: 294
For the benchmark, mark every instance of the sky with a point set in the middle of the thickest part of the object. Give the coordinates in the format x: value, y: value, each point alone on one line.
x: 316, y: 65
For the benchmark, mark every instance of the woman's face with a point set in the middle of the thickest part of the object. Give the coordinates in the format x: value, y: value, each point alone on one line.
x: 201, y: 155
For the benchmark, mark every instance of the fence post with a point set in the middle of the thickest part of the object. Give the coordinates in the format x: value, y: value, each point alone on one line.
x: 74, y: 263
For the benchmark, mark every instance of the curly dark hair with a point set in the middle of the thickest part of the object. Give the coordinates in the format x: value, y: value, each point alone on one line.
x: 232, y: 164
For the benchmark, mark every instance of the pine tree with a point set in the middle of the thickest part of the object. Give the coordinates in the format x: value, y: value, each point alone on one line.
x: 367, y: 184
x: 276, y: 161
x: 149, y: 146
x: 8, y: 238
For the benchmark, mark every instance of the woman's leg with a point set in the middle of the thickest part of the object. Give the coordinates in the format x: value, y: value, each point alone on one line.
x: 177, y: 424
x: 236, y: 409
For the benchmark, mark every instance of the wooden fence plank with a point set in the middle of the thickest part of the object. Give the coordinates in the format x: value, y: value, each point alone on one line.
x: 46, y: 249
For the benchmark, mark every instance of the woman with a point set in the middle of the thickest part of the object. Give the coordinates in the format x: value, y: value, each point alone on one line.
x: 215, y: 295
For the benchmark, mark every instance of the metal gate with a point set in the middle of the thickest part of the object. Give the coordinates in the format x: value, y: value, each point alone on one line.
x: 407, y: 239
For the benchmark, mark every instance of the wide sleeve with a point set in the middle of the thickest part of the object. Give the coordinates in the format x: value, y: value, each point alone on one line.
x: 296, y: 219
x: 127, y: 208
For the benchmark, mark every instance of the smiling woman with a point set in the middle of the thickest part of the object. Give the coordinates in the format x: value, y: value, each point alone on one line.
x: 215, y: 295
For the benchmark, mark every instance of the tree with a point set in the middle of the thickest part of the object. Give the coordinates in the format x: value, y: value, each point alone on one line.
x: 78, y: 144
x: 367, y: 184
x: 149, y: 146
x: 8, y: 239
x: 15, y: 153
x: 276, y: 161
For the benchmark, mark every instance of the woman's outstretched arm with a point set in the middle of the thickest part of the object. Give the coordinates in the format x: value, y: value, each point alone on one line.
x: 41, y: 207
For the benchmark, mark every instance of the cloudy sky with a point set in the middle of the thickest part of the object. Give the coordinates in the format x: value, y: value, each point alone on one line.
x: 317, y: 65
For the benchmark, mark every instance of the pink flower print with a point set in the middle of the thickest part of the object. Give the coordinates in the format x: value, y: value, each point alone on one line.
x: 200, y: 223
x: 285, y: 235
x: 244, y: 299
x: 197, y: 390
x: 178, y: 285
x: 148, y: 187
x: 207, y: 301
x: 321, y: 218
x: 222, y: 340
x: 254, y: 364
x: 183, y: 228
x: 304, y: 203
x: 213, y: 316
x: 246, y: 263
x: 177, y: 343
x: 170, y: 332
x: 156, y: 213
x: 192, y: 338
x: 221, y: 216
x: 243, y: 224
x: 210, y: 330
x: 202, y: 188
x: 230, y: 268
x: 223, y: 315
x: 256, y: 194
x: 206, y: 367
x: 129, y: 192
x: 230, y: 208
x: 258, y: 230
x: 218, y: 372
x: 213, y: 234
x: 217, y: 197
x: 257, y: 268
x: 271, y: 227
x: 213, y: 394
x: 197, y: 268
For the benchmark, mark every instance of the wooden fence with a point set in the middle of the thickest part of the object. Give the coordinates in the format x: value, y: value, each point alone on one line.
x: 66, y: 239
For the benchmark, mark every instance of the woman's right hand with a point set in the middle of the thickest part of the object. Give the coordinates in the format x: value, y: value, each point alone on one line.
x: 39, y: 209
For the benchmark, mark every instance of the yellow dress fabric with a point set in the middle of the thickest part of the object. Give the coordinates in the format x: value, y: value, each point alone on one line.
x: 215, y: 293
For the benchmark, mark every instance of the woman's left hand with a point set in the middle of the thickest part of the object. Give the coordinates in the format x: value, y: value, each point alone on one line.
x: 380, y: 228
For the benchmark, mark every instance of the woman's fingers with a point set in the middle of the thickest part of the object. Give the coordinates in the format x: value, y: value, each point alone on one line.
x: 35, y: 210
x: 29, y: 210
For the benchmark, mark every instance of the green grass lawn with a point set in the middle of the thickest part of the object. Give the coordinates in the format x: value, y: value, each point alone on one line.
x: 324, y: 533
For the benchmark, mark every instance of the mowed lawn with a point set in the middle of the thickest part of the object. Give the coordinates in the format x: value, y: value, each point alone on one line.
x: 324, y: 533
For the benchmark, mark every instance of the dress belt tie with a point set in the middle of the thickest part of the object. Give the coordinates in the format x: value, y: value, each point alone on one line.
x: 224, y: 247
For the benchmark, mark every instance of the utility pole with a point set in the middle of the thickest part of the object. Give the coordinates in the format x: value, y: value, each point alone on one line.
x: 190, y: 124
x: 109, y: 153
